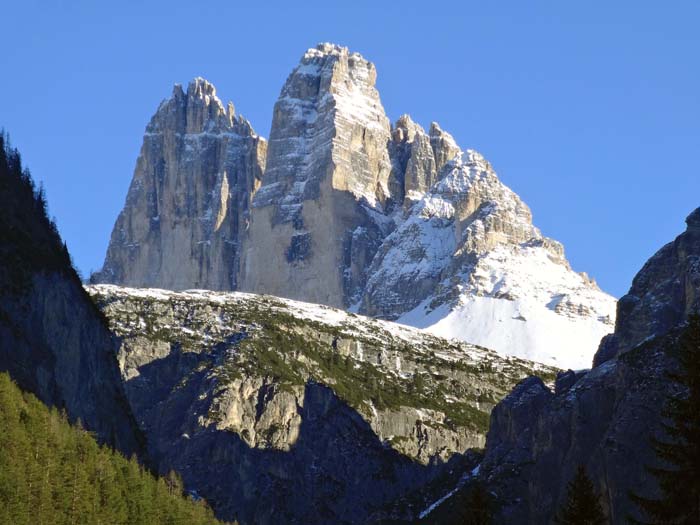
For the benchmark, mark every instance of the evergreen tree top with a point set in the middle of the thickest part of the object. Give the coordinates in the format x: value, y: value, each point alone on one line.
x: 582, y: 505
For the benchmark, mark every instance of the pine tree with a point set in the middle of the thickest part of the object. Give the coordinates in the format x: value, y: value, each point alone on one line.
x: 174, y: 483
x: 478, y: 506
x: 582, y: 505
x: 472, y: 505
x: 679, y: 450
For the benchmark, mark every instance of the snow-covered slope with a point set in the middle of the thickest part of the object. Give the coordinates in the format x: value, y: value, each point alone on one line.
x: 521, y: 302
x: 467, y: 263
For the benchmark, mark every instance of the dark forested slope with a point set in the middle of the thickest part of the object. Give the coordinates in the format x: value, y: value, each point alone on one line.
x: 53, y: 341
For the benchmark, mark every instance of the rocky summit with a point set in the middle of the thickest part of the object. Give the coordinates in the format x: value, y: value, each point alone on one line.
x: 189, y: 198
x: 277, y: 411
x: 343, y: 208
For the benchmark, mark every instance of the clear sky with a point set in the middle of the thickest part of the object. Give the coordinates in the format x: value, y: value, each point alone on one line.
x: 589, y: 110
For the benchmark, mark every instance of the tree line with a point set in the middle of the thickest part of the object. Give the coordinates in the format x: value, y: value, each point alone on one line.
x: 55, y: 473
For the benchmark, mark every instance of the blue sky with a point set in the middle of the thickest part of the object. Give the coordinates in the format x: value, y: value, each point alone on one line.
x: 589, y: 110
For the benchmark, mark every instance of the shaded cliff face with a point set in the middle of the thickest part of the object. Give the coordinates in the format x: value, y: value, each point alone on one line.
x: 187, y: 205
x: 53, y: 341
x: 346, y: 210
x: 274, y: 407
x: 604, y: 418
x: 662, y: 295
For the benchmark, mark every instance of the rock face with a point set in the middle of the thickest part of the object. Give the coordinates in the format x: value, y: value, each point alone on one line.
x: 188, y: 203
x: 604, y: 418
x: 346, y: 210
x: 467, y: 262
x: 53, y: 341
x: 318, y: 217
x: 271, y: 407
x: 662, y: 295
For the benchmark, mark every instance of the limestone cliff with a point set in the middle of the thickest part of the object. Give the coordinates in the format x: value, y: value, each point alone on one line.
x: 319, y: 215
x: 347, y: 210
x: 271, y: 407
x: 188, y: 202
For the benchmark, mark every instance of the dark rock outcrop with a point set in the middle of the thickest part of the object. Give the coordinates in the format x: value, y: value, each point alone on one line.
x: 662, y: 295
x: 602, y: 419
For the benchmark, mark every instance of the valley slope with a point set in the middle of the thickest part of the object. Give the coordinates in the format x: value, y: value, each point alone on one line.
x: 53, y: 340
x: 270, y: 407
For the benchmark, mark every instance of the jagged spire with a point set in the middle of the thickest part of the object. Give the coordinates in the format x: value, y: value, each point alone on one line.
x: 200, y: 87
x: 198, y: 167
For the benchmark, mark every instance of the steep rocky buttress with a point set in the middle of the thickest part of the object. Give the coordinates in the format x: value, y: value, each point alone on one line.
x: 319, y: 215
x: 188, y: 202
x: 604, y: 418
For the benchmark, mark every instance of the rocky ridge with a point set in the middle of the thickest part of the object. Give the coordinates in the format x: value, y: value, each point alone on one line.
x: 242, y: 379
x: 347, y: 210
x: 603, y: 418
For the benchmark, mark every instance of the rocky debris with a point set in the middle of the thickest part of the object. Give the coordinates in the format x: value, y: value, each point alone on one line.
x: 603, y: 418
x: 256, y: 382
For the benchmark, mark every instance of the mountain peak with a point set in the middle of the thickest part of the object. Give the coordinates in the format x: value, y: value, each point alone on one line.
x: 324, y: 49
x: 342, y: 209
x: 336, y: 63
x: 200, y: 87
x: 196, y: 110
x: 693, y: 220
x: 405, y: 129
x: 198, y: 166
